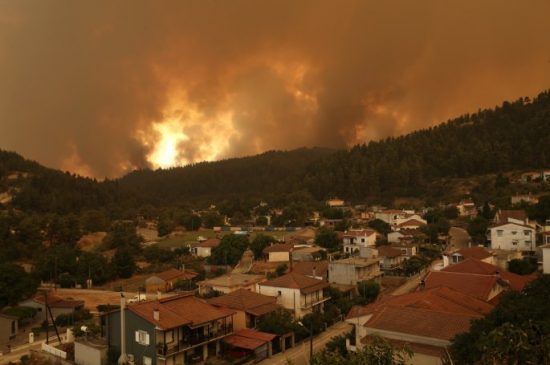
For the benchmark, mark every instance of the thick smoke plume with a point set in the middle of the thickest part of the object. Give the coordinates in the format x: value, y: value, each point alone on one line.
x: 103, y: 87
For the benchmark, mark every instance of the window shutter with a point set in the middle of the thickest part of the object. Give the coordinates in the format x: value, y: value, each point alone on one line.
x: 137, y: 336
x: 147, y: 339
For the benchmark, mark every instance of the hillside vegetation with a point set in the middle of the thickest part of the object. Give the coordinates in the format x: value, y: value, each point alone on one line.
x: 514, y: 136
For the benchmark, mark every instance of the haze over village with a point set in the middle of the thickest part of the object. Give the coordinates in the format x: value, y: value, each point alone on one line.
x: 276, y: 182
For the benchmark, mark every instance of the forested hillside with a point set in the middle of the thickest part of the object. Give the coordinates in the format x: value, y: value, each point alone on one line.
x: 40, y: 189
x: 514, y: 136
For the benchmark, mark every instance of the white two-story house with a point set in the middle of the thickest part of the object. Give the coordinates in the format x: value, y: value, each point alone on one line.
x: 299, y: 293
x: 354, y: 239
x: 512, y: 236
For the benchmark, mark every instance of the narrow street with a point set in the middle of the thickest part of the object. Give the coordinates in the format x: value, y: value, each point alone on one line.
x: 299, y: 355
x: 459, y: 238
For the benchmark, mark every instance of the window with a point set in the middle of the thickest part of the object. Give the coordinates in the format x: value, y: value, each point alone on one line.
x: 147, y: 360
x: 499, y: 232
x: 142, y: 337
x: 514, y: 232
x: 526, y: 232
x: 279, y: 293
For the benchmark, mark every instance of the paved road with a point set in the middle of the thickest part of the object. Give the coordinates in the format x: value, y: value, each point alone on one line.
x: 299, y: 355
x: 459, y: 238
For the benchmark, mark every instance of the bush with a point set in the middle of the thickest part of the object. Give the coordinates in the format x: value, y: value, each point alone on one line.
x: 525, y: 266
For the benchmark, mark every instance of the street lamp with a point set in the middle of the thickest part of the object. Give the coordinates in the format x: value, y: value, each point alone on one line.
x: 310, y: 330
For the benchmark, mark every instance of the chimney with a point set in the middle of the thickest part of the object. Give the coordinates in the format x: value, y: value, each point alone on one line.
x: 314, y: 276
x: 159, y: 295
x: 156, y: 314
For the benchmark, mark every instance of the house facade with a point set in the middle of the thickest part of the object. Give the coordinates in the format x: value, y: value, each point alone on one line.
x: 298, y: 293
x: 230, y: 282
x: 8, y: 328
x: 57, y: 305
x: 204, y: 248
x: 177, y: 330
x: 512, y: 236
x: 165, y: 281
x: 278, y: 252
x: 390, y: 258
x: 249, y: 307
x: 353, y: 270
x: 353, y: 240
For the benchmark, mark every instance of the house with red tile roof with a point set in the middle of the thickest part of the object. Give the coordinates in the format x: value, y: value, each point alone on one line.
x: 391, y: 258
x: 278, y: 252
x: 204, y: 248
x: 411, y: 223
x: 474, y: 266
x: 57, y: 304
x: 299, y: 293
x: 181, y: 329
x: 425, y: 321
x: 354, y: 239
x: 249, y: 307
x: 478, y: 253
x: 165, y: 281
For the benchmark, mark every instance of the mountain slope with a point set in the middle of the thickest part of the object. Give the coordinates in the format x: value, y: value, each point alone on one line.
x: 514, y: 136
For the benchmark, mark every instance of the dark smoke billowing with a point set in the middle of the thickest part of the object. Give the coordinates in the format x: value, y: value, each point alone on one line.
x: 99, y: 87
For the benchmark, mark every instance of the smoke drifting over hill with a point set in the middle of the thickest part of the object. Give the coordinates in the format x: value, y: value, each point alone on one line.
x: 104, y: 87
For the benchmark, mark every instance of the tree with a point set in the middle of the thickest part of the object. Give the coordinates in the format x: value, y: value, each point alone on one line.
x: 377, y: 351
x: 281, y: 269
x: 368, y: 291
x: 451, y: 212
x: 123, y: 234
x: 414, y: 265
x: 156, y: 254
x: 515, y: 332
x: 230, y: 250
x: 259, y: 243
x: 94, y: 221
x: 477, y: 229
x: 328, y: 239
x: 212, y: 219
x: 165, y: 225
x: 15, y: 284
x: 541, y: 210
x: 380, y: 226
x: 123, y: 263
x: 279, y: 322
x: 261, y: 221
x: 95, y: 266
x: 524, y: 266
x: 192, y: 222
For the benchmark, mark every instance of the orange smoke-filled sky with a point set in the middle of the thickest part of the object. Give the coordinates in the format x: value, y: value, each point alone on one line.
x: 104, y: 87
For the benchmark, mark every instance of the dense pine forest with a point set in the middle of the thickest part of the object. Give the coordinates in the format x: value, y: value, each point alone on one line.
x: 514, y: 136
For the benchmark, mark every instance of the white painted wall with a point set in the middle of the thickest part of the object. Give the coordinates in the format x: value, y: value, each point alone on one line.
x: 546, y: 260
x: 513, y: 236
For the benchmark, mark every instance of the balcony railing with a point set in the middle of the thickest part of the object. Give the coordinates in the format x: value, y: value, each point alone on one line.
x: 192, y: 340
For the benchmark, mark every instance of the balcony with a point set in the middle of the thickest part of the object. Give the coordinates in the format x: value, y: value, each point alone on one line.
x: 313, y: 303
x: 192, y: 339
